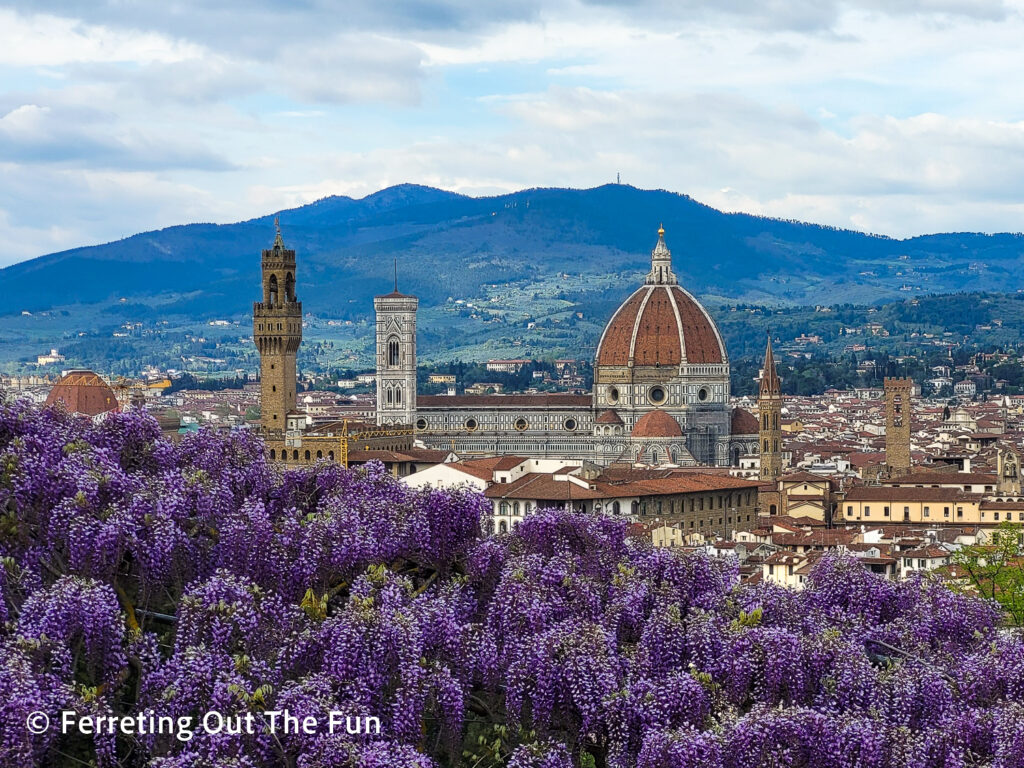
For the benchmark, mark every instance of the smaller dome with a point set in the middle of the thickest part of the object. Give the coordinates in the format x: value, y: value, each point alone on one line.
x: 83, y: 392
x: 657, y: 423
x: 608, y: 416
x: 744, y: 422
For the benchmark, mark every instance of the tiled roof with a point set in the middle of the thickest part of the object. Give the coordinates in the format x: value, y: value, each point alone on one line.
x: 660, y: 325
x: 744, y: 422
x: 893, y: 493
x: 83, y: 392
x: 657, y: 423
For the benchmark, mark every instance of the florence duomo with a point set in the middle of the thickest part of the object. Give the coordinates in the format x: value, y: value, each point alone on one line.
x: 661, y: 392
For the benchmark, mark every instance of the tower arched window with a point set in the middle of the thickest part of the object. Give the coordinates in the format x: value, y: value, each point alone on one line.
x: 766, y: 446
x: 776, y: 446
x: 766, y: 421
x: 272, y: 290
x: 394, y: 352
x: 390, y: 396
x: 398, y: 395
x: 775, y: 421
x: 289, y: 287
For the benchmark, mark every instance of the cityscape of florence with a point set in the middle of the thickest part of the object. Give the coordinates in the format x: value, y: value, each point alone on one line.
x: 455, y: 385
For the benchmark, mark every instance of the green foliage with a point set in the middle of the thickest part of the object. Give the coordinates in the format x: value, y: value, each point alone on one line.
x: 996, y: 569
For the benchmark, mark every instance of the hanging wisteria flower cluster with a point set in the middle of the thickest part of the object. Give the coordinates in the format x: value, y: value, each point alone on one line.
x: 142, y: 579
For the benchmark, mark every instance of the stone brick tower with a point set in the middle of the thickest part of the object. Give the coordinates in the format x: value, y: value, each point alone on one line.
x: 396, y: 357
x: 898, y: 394
x: 769, y: 409
x: 277, y: 330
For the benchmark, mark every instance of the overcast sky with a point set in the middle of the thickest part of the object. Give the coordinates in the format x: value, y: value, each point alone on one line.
x: 894, y: 116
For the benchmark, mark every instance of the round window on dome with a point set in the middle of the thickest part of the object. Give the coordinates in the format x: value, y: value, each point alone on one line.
x: 613, y: 395
x: 703, y: 394
x: 657, y: 395
x: 421, y: 424
x: 521, y: 424
x: 471, y: 424
x: 569, y: 424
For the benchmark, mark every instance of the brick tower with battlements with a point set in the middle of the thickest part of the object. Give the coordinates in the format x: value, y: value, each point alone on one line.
x: 898, y: 393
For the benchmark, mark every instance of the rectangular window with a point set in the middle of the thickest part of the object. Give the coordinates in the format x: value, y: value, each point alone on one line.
x: 885, y: 511
x: 927, y: 512
x: 995, y: 515
x: 959, y: 511
x: 867, y: 511
x: 849, y: 509
x: 945, y: 511
x: 771, y: 570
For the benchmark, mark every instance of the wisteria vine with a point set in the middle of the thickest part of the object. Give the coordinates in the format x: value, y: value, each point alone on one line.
x: 143, y: 578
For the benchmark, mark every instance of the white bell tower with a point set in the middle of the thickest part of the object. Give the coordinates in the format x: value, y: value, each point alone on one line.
x: 396, y: 357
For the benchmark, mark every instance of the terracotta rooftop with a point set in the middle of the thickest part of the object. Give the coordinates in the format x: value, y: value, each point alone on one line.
x: 946, y: 478
x: 609, y: 416
x: 660, y: 325
x: 83, y: 392
x: 744, y: 422
x: 904, y: 493
x: 657, y: 423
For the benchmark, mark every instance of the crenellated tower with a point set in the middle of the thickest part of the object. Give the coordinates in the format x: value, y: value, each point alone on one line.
x: 396, y: 357
x: 769, y: 409
x: 277, y: 330
x: 898, y: 394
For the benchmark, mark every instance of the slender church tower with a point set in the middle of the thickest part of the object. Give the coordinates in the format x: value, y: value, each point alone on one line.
x: 396, y: 357
x: 769, y: 408
x: 897, y: 424
x: 277, y: 330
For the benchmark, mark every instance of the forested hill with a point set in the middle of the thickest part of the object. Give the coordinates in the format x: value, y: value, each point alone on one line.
x: 450, y: 245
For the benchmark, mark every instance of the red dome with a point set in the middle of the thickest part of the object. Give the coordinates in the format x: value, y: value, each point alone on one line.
x: 660, y: 325
x: 83, y: 392
x: 657, y: 423
x: 744, y: 422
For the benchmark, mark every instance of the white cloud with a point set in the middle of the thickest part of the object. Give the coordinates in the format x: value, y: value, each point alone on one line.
x: 51, y: 41
x: 899, y: 117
